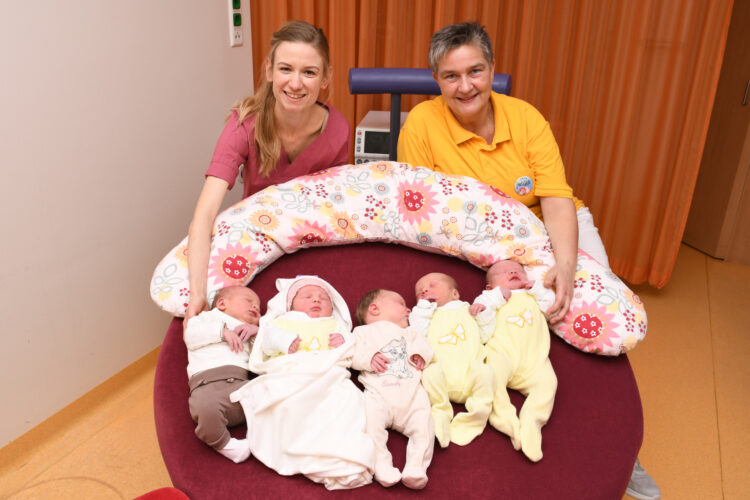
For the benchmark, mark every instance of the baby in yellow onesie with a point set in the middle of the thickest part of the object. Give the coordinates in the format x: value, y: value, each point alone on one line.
x: 457, y: 372
x: 307, y: 326
x: 518, y: 353
x: 390, y: 356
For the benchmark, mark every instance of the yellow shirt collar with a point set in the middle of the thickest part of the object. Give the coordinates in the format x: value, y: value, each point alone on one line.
x: 460, y: 134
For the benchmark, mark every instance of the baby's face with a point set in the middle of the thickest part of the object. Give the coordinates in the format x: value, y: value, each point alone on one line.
x: 392, y: 308
x: 243, y: 304
x: 507, y: 274
x: 313, y: 301
x: 436, y: 287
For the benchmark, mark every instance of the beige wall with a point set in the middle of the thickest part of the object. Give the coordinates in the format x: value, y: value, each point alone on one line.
x: 109, y: 112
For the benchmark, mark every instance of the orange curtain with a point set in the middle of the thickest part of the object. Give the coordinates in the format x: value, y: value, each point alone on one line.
x: 626, y: 85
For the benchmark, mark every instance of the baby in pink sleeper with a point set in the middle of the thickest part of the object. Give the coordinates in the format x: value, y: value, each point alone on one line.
x: 391, y: 357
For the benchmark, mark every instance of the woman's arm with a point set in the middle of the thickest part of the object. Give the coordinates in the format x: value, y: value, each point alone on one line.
x: 412, y: 149
x: 562, y: 227
x: 199, y: 242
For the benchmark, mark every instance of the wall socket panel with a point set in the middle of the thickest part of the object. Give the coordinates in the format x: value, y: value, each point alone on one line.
x: 235, y: 32
x: 236, y: 36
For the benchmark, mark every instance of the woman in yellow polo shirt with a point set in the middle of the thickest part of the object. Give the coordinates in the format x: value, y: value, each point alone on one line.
x: 502, y: 141
x: 506, y: 143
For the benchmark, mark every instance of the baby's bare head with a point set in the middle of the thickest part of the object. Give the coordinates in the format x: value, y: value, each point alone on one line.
x: 437, y: 287
x: 383, y: 305
x: 240, y: 303
x: 508, y: 274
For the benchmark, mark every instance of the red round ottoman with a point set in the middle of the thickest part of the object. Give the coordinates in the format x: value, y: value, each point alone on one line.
x: 590, y: 443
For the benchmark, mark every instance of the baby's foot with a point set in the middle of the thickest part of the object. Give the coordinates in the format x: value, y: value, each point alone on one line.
x: 442, y: 430
x: 236, y: 450
x: 414, y: 478
x: 464, y: 430
x: 387, y: 475
x: 509, y: 426
x: 531, y: 441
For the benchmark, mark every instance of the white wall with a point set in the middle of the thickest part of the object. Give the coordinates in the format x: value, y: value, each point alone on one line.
x: 109, y: 112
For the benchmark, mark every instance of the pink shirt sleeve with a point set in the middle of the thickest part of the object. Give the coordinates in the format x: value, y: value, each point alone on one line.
x: 231, y: 150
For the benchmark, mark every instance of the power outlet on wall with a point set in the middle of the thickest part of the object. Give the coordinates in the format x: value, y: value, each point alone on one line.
x: 236, y: 40
x: 235, y: 23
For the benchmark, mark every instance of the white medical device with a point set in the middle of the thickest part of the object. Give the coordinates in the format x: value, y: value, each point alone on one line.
x: 372, y: 138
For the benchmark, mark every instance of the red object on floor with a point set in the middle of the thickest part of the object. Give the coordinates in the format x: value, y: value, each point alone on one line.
x: 164, y: 494
x: 590, y: 443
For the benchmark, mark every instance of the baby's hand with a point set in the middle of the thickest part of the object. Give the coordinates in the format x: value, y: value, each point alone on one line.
x: 245, y: 331
x: 234, y: 341
x: 294, y: 345
x: 379, y: 363
x: 475, y: 309
x: 427, y: 304
x: 335, y: 340
x: 419, y: 360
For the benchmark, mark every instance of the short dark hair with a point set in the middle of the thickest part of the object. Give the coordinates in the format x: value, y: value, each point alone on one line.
x: 364, y: 304
x: 456, y: 35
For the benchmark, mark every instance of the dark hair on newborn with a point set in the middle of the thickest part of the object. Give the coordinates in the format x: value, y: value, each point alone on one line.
x: 364, y: 303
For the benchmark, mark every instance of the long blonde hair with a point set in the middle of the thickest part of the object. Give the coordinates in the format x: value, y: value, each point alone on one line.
x: 262, y: 103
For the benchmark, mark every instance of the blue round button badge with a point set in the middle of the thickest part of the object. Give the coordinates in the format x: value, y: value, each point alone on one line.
x: 524, y: 185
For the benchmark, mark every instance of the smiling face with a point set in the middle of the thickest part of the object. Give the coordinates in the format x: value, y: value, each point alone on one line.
x: 465, y: 80
x: 240, y: 303
x: 297, y: 73
x: 436, y: 287
x: 507, y: 274
x: 313, y: 301
x: 391, y: 307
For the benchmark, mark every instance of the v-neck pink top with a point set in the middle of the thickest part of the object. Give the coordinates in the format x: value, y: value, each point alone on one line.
x: 236, y: 147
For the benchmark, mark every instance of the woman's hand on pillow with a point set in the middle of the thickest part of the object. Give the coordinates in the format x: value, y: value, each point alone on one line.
x: 559, y: 278
x: 196, y: 305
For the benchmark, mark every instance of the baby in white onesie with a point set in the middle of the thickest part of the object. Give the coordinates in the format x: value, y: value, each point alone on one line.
x: 218, y: 353
x: 391, y: 357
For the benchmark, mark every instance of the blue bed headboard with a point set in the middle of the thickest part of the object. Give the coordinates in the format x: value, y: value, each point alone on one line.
x: 397, y: 81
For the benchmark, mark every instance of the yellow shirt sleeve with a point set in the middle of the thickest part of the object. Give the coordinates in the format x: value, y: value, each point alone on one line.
x: 412, y: 147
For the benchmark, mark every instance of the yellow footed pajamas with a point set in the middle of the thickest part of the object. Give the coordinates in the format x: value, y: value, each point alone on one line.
x: 457, y: 373
x: 518, y: 354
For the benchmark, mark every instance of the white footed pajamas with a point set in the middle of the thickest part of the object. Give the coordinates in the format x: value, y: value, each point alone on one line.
x: 304, y: 414
x: 395, y: 399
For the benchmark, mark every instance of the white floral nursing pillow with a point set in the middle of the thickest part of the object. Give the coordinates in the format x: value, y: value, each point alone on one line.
x: 395, y: 202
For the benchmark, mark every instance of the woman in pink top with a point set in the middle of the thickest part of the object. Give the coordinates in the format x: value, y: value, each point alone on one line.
x: 280, y: 133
